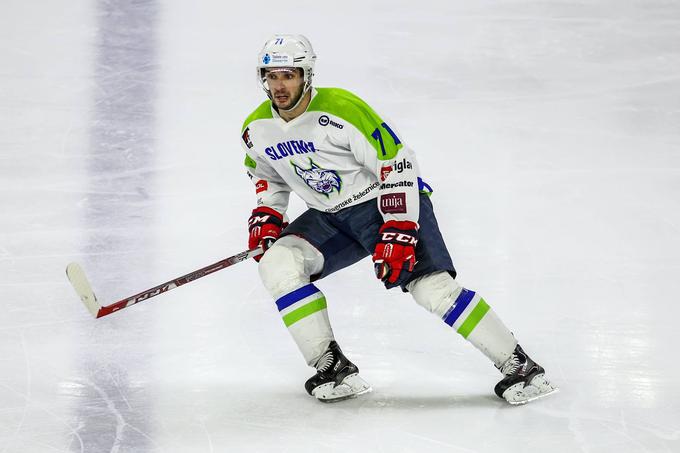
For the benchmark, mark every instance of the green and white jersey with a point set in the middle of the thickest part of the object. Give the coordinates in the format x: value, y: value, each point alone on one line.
x: 337, y: 154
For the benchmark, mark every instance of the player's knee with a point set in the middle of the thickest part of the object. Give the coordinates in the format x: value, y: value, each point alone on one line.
x: 288, y: 264
x: 281, y: 270
x: 435, y: 292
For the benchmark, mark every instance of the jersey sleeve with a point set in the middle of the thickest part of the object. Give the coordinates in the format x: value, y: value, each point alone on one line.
x: 398, y: 195
x: 378, y: 147
x: 270, y: 188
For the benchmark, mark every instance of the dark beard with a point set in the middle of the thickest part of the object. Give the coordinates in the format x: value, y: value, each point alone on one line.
x: 293, y: 102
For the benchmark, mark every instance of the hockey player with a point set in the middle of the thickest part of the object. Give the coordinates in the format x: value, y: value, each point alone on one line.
x: 365, y: 197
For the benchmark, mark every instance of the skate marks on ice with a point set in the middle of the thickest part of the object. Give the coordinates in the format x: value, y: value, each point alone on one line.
x: 109, y: 398
x: 24, y: 414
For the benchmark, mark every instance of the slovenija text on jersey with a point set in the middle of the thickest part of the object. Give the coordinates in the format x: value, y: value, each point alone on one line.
x: 289, y: 148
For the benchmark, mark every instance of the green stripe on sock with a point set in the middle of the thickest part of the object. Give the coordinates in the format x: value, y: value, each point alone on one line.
x: 304, y: 311
x: 474, y: 318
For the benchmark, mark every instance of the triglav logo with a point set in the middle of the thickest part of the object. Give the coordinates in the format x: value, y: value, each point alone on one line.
x: 385, y: 172
x: 398, y: 166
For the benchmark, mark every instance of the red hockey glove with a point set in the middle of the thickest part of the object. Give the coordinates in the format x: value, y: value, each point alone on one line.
x: 264, y: 227
x: 395, y: 252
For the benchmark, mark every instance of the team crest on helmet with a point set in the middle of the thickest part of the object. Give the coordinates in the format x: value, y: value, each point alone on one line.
x: 321, y: 180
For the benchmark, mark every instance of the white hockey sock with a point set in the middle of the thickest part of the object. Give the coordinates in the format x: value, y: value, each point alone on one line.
x: 466, y: 312
x: 472, y: 317
x: 304, y: 313
x: 285, y: 271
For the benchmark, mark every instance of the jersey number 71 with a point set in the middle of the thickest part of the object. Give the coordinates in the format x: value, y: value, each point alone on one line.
x: 378, y: 136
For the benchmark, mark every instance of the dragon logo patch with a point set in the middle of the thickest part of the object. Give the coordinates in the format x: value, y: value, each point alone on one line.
x: 321, y: 180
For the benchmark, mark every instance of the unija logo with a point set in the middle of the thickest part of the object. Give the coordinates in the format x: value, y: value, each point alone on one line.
x: 246, y: 138
x: 393, y: 203
x: 325, y: 121
x: 261, y: 186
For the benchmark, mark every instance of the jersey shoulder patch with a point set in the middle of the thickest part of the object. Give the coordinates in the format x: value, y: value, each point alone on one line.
x: 354, y: 110
x: 262, y: 112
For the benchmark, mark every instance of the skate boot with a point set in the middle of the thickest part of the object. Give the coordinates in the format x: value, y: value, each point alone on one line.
x: 524, y: 379
x: 336, y: 378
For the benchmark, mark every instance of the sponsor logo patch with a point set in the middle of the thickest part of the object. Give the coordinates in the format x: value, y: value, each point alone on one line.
x: 385, y: 172
x: 398, y: 166
x: 393, y: 203
x: 261, y: 186
x: 277, y: 58
x: 246, y: 138
x: 401, y: 165
x: 394, y: 185
x: 325, y: 121
x: 353, y: 198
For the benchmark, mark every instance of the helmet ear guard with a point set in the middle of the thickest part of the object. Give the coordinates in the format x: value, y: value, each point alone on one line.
x: 286, y: 51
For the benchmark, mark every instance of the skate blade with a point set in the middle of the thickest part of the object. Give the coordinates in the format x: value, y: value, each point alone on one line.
x: 520, y: 394
x: 351, y: 387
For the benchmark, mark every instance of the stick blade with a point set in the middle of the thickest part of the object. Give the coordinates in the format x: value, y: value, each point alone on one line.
x: 77, y: 277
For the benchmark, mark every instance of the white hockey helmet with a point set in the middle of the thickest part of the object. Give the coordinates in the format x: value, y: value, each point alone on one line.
x: 286, y: 51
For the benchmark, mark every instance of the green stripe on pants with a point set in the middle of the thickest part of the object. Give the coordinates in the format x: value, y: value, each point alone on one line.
x: 473, y: 318
x: 304, y: 311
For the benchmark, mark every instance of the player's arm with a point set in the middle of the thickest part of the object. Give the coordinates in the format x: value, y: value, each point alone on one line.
x: 381, y: 150
x: 399, y: 203
x: 398, y: 195
x: 267, y: 220
x: 270, y: 189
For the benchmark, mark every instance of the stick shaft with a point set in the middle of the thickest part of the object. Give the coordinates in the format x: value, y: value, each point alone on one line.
x: 179, y: 281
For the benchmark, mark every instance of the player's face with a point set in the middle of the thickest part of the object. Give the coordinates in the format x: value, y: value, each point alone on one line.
x: 285, y: 87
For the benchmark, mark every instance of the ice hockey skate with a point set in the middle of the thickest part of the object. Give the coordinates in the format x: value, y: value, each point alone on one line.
x: 336, y: 378
x: 524, y: 379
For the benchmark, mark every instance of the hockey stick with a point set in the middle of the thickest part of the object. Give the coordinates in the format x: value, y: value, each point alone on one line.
x: 77, y: 277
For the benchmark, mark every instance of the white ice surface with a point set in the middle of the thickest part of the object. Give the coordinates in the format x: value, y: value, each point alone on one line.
x: 550, y: 131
